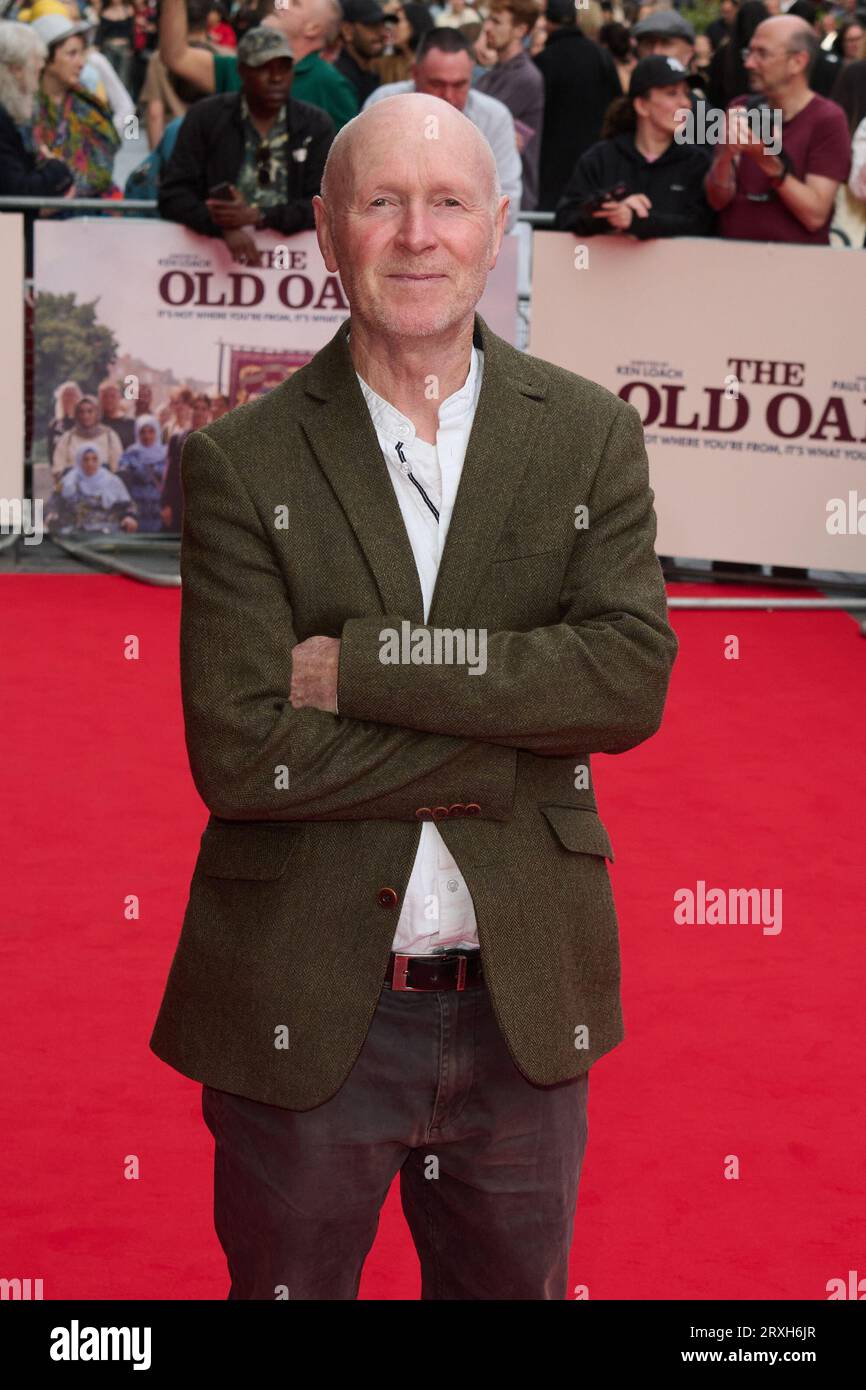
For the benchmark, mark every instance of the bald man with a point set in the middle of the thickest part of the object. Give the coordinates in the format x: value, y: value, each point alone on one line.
x: 419, y: 590
x: 765, y: 194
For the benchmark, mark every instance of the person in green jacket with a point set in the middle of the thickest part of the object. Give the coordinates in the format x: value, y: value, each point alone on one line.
x: 307, y: 24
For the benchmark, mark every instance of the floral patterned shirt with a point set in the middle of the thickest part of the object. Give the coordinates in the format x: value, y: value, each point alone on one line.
x: 79, y: 130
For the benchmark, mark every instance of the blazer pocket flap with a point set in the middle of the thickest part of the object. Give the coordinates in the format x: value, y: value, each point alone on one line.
x: 579, y: 828
x: 244, y: 851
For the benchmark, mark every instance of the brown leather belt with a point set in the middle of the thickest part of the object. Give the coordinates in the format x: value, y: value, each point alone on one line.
x: 449, y: 970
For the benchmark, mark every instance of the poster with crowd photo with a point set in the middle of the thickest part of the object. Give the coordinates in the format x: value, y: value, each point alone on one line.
x: 747, y: 364
x: 144, y: 331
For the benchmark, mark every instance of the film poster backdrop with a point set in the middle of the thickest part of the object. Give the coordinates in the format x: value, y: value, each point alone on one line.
x: 747, y: 364
x: 144, y: 330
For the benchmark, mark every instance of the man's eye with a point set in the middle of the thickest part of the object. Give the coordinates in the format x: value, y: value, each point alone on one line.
x: 374, y: 202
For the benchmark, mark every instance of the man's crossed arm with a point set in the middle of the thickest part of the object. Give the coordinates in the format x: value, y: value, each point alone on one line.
x: 259, y: 705
x: 594, y: 682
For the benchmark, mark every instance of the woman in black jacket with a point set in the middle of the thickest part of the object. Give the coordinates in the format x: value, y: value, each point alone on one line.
x: 643, y: 179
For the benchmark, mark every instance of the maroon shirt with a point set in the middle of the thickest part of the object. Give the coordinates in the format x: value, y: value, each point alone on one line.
x: 816, y: 141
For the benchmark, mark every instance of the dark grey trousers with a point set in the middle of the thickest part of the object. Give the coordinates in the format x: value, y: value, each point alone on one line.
x: 489, y: 1164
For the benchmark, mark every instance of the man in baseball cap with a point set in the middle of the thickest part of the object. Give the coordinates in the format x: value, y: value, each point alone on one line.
x: 249, y: 159
x: 665, y: 32
x: 363, y: 32
x: 263, y: 45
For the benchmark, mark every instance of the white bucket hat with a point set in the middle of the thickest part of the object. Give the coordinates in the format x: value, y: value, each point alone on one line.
x: 54, y: 28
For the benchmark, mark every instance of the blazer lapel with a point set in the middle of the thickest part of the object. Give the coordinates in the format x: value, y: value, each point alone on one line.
x: 343, y: 438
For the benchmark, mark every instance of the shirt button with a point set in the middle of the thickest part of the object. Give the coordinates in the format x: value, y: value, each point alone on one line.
x: 453, y: 885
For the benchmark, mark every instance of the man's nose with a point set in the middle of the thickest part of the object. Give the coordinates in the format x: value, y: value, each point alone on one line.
x: 416, y: 228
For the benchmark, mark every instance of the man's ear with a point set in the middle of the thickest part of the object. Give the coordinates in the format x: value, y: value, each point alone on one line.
x: 323, y: 233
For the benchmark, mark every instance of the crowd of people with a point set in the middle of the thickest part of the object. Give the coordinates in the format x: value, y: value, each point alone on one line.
x: 600, y: 113
x: 618, y: 118
x: 116, y: 465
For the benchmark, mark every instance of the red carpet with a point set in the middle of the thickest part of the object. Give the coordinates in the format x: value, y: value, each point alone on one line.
x: 739, y: 1043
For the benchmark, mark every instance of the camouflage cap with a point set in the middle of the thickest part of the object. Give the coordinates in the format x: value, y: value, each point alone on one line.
x: 262, y: 45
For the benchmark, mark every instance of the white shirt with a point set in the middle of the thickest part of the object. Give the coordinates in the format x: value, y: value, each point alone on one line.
x: 496, y: 123
x: 438, y: 912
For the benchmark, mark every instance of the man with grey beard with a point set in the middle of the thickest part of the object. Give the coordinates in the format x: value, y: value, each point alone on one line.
x: 26, y: 171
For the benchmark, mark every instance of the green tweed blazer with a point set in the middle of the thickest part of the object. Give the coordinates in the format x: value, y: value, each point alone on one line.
x: 292, y: 529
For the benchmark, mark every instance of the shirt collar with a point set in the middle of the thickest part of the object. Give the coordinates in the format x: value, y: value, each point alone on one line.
x: 275, y: 129
x: 390, y: 422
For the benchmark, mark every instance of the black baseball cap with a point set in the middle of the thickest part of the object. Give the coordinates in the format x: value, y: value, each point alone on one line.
x: 363, y: 12
x: 659, y: 70
x: 560, y: 11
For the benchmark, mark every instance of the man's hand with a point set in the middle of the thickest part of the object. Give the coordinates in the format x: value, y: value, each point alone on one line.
x: 742, y: 140
x: 235, y: 212
x: 242, y: 246
x: 315, y: 666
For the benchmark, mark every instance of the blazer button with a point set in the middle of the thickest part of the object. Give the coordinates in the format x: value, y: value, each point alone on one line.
x: 458, y: 809
x: 423, y: 813
x: 440, y: 812
x: 386, y: 897
x: 472, y: 808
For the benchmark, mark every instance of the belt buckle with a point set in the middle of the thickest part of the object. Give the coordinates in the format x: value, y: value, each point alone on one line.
x: 401, y: 965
